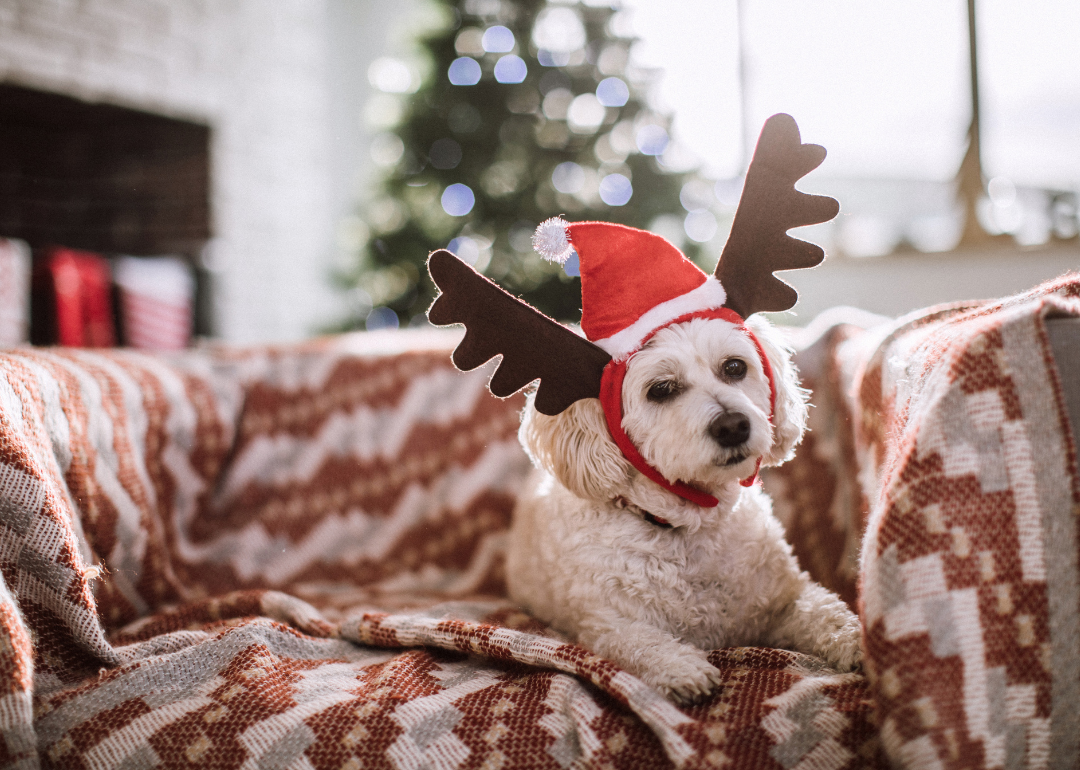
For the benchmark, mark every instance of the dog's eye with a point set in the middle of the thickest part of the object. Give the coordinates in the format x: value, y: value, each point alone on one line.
x: 662, y: 391
x: 734, y: 369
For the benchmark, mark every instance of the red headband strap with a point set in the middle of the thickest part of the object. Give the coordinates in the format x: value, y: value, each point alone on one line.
x: 611, y: 400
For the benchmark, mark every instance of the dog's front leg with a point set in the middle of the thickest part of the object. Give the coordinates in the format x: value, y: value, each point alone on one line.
x: 819, y: 623
x: 681, y: 672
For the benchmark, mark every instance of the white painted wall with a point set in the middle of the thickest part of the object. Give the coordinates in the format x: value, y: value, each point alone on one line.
x: 280, y: 82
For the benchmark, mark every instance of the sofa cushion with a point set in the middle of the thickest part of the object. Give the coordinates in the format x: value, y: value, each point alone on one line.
x: 292, y: 557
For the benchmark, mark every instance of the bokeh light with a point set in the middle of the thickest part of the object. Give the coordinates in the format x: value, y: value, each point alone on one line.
x: 552, y: 58
x: 392, y: 76
x: 568, y: 178
x: 469, y: 42
x: 728, y: 192
x: 384, y: 110
x: 464, y: 71
x: 382, y: 318
x: 521, y: 237
x: 621, y: 24
x: 651, y: 140
x: 467, y: 249
x: 605, y: 153
x: 556, y: 103
x: 700, y: 226
x: 670, y: 228
x: 351, y: 234
x: 590, y: 188
x: 612, y: 60
x: 622, y: 138
x: 502, y: 178
x: 498, y: 39
x: 696, y: 195
x: 458, y: 200
x: 386, y: 215
x: 558, y: 30
x: 615, y: 190
x: 359, y: 302
x: 612, y: 92
x: 572, y: 266
x: 387, y: 149
x: 585, y: 114
x: 678, y: 158
x: 445, y: 154
x: 511, y: 69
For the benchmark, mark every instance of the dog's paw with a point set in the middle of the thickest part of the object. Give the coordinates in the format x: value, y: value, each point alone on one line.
x: 686, y: 679
x: 844, y: 653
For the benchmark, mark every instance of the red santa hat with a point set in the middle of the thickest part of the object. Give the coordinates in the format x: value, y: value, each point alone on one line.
x: 633, y: 282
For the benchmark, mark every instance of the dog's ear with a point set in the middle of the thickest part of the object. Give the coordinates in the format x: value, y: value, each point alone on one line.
x: 576, y: 448
x: 789, y: 418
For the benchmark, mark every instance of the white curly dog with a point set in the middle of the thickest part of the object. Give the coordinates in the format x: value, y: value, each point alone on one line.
x: 643, y: 577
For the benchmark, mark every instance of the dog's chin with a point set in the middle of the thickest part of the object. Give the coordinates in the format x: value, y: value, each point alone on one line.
x: 726, y: 468
x: 737, y: 458
x: 719, y: 478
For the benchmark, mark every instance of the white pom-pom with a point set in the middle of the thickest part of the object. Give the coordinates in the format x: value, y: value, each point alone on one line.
x: 550, y: 240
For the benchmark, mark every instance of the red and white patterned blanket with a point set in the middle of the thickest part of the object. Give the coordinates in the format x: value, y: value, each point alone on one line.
x: 942, y: 456
x: 293, y: 558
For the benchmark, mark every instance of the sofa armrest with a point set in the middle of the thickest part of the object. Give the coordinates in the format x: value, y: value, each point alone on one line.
x: 970, y: 583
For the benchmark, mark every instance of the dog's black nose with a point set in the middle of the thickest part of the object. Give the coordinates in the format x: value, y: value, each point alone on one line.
x: 730, y: 429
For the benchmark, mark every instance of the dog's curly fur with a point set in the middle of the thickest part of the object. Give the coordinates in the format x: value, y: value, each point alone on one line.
x: 585, y: 558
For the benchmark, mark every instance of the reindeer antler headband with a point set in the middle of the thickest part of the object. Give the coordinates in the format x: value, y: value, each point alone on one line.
x: 623, y: 307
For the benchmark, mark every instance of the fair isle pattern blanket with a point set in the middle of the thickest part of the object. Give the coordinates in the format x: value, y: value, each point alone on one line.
x: 946, y: 437
x: 292, y: 558
x: 971, y: 596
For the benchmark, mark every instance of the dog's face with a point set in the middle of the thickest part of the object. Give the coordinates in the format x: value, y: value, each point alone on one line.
x: 695, y: 403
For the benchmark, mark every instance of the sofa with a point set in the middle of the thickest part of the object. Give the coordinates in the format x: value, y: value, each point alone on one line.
x: 291, y: 557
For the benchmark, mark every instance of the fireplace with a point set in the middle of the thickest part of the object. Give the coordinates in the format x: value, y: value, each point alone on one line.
x: 106, y: 179
x: 238, y: 125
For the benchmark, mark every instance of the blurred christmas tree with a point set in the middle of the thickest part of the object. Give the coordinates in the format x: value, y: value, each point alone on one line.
x: 529, y: 110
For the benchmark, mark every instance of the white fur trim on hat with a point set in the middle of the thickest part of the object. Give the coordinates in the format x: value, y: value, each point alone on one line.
x: 708, y: 296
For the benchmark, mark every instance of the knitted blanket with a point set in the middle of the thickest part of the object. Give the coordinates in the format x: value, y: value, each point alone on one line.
x: 940, y: 479
x: 292, y: 557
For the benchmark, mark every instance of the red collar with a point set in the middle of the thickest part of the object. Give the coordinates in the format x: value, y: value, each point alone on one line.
x: 611, y: 400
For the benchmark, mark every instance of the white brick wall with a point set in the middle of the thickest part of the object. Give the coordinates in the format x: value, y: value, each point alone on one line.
x: 256, y: 72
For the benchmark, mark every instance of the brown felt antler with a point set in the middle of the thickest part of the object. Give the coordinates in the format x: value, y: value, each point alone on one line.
x: 770, y: 205
x: 531, y: 344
